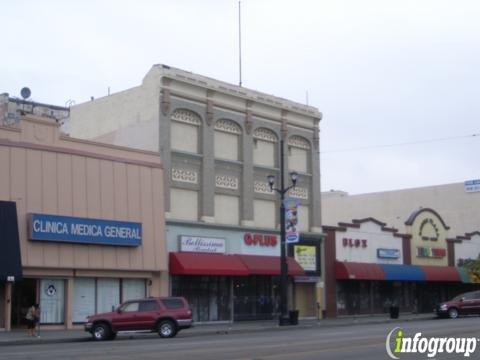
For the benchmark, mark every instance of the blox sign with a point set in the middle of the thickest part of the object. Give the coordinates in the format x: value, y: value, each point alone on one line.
x: 43, y: 227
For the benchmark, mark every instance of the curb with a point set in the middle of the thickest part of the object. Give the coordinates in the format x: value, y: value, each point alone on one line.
x: 209, y: 332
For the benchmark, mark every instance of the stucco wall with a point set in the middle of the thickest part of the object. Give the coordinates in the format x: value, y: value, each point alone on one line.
x: 44, y: 172
x: 458, y: 208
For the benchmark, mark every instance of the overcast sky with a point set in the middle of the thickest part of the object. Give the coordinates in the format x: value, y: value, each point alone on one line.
x: 382, y: 72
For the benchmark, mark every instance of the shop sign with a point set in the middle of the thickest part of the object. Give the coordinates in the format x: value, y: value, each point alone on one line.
x: 347, y: 242
x: 84, y: 230
x: 202, y: 244
x: 472, y: 185
x: 306, y: 256
x: 388, y: 253
x: 427, y: 252
x: 260, y: 240
x: 291, y: 220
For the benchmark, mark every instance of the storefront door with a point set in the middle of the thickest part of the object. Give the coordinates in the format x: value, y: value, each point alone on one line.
x: 254, y: 298
x: 24, y: 295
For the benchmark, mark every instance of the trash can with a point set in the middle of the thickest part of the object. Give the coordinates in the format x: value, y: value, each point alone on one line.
x: 293, y: 315
x: 394, y: 311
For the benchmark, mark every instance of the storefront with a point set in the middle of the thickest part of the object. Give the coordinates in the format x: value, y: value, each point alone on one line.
x: 308, y: 290
x: 370, y: 267
x: 227, y: 274
x: 90, y: 225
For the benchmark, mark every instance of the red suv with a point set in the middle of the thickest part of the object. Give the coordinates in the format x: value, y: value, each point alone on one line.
x: 165, y: 315
x: 463, y: 304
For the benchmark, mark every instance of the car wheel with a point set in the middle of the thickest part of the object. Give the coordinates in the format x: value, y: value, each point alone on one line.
x: 452, y: 313
x: 167, y: 329
x: 101, y: 332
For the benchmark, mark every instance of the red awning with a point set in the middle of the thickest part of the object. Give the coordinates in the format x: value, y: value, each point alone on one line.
x: 270, y: 265
x: 358, y: 271
x: 441, y: 273
x: 189, y: 263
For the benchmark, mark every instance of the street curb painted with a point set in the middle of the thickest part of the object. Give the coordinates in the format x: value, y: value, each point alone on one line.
x: 209, y: 332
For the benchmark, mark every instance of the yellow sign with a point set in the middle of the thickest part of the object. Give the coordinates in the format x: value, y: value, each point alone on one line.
x: 306, y: 256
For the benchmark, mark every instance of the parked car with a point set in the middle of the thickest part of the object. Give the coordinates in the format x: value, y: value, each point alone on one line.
x: 165, y: 315
x: 463, y: 304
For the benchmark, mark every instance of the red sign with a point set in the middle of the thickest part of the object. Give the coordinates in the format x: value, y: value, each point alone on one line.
x: 260, y: 239
x: 355, y: 242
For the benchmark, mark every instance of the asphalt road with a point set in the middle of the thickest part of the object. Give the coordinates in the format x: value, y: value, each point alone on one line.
x: 353, y: 342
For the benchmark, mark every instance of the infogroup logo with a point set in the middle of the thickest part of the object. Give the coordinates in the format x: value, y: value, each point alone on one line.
x: 397, y: 343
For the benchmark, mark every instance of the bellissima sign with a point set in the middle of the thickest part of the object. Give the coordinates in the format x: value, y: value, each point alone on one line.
x: 70, y: 229
x: 202, y: 244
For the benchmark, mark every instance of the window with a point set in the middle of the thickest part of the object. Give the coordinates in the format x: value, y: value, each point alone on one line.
x: 303, y: 218
x: 184, y: 135
x: 150, y: 305
x: 264, y: 147
x: 264, y: 212
x: 130, y: 307
x: 184, y: 204
x: 52, y: 301
x: 133, y: 289
x: 172, y: 303
x: 227, y: 140
x: 227, y: 209
x: 298, y: 154
x: 108, y: 294
x: 83, y: 299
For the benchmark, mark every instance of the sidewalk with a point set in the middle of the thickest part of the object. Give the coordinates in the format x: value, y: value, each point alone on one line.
x: 19, y: 337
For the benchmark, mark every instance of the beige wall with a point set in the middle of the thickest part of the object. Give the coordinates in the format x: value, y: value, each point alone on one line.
x: 44, y: 172
x: 457, y: 208
x: 428, y: 231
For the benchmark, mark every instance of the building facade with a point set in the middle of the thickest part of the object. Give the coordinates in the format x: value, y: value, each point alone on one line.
x: 87, y: 220
x: 218, y: 143
x: 458, y: 204
x: 370, y: 267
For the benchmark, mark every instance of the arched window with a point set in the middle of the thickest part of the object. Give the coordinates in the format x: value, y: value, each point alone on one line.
x: 264, y: 147
x: 227, y: 140
x: 298, y: 154
x: 185, y: 132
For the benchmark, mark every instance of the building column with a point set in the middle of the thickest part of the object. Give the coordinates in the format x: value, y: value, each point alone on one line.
x: 247, y: 172
x: 315, y: 200
x: 8, y: 306
x: 207, y: 186
x: 69, y: 303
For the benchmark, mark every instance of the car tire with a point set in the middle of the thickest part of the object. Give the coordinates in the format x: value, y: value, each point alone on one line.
x: 101, y: 331
x: 452, y: 313
x: 166, y: 329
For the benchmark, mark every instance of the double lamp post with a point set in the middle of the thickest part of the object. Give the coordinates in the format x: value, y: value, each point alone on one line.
x: 284, y: 317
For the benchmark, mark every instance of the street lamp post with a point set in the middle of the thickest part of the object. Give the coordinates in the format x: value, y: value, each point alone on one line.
x: 283, y: 319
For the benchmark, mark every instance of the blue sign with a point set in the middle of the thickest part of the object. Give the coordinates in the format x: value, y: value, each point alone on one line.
x: 472, y: 185
x: 84, y: 231
x: 388, y: 253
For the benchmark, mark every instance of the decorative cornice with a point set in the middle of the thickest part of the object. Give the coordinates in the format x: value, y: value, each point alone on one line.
x: 265, y: 135
x: 228, y: 126
x: 298, y: 142
x: 262, y: 187
x: 299, y: 193
x: 186, y: 116
x: 186, y: 176
x: 226, y: 182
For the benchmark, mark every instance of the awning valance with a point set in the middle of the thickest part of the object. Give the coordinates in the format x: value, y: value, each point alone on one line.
x: 358, y: 271
x: 10, y: 259
x: 191, y: 263
x: 403, y: 272
x: 270, y: 265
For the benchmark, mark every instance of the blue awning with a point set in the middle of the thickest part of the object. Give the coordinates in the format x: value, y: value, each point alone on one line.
x: 403, y: 272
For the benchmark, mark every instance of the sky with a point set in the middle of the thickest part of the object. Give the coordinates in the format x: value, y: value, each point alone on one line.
x: 397, y: 81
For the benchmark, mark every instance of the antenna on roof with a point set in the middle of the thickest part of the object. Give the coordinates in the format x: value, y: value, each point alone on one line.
x: 240, y: 43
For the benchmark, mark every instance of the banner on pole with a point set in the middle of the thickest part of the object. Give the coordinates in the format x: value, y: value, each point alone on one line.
x: 291, y: 220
